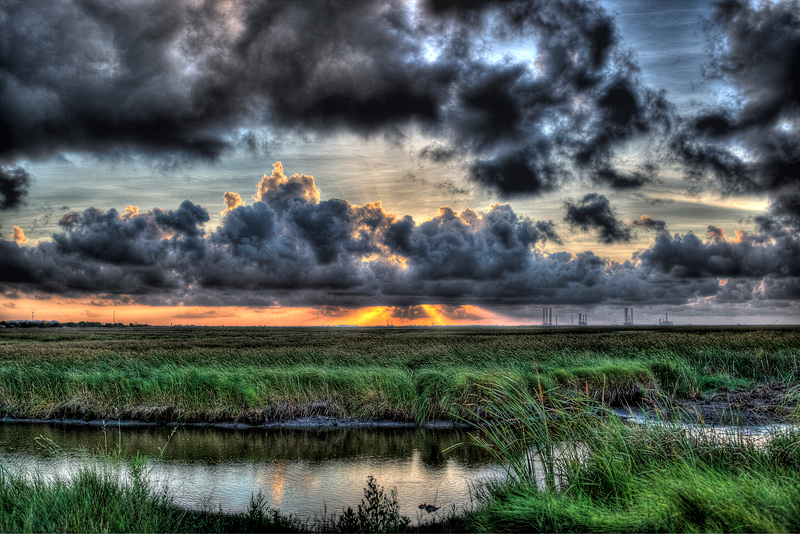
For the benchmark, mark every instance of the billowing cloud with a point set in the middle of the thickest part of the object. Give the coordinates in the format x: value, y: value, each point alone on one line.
x: 278, y: 191
x: 18, y: 236
x: 232, y: 201
x: 594, y: 212
x: 647, y: 222
x: 182, y: 79
x: 300, y: 251
x: 752, y: 144
x: 749, y: 255
x: 14, y: 184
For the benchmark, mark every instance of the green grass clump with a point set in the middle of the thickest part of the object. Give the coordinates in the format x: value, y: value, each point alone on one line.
x: 257, y: 375
x: 571, y: 471
x: 101, y: 499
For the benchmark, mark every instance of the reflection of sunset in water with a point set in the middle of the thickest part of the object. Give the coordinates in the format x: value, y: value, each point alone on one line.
x: 273, y: 481
x: 305, y: 473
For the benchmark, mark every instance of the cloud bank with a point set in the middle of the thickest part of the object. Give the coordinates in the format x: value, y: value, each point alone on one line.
x: 751, y: 144
x: 290, y: 248
x: 177, y: 79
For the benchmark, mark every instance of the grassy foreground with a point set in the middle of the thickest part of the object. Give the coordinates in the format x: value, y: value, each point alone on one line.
x: 99, y: 500
x: 568, y: 471
x: 258, y: 375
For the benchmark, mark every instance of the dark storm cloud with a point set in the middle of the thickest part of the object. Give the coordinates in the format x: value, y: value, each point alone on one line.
x: 647, y: 222
x: 181, y: 79
x: 747, y: 255
x: 531, y: 128
x: 104, y: 252
x: 594, y: 212
x: 127, y: 239
x: 752, y: 145
x: 102, y: 77
x: 14, y: 184
x: 299, y: 251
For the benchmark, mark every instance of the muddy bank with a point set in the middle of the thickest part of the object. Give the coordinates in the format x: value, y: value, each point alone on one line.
x: 770, y: 403
x: 282, y: 415
x: 291, y: 424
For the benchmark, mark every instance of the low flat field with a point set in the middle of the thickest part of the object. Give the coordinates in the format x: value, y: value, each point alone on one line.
x: 529, y: 391
x: 259, y: 375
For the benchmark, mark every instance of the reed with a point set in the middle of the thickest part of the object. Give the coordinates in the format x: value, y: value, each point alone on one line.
x: 257, y: 375
x: 102, y: 498
x: 570, y: 470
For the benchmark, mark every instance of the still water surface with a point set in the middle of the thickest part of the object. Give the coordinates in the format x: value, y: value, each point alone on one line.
x: 308, y: 473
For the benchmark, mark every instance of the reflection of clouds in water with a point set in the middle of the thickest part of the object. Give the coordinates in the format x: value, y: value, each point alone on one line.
x: 310, y: 489
x: 306, y: 488
x: 306, y: 473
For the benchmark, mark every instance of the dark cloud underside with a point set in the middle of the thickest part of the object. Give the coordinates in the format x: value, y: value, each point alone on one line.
x: 751, y: 145
x: 289, y: 248
x: 186, y: 78
x: 594, y: 212
x: 14, y: 184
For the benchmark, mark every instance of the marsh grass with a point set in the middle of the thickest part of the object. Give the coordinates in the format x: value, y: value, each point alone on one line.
x: 112, y: 491
x: 109, y: 497
x: 570, y: 470
x: 95, y: 499
x: 405, y: 374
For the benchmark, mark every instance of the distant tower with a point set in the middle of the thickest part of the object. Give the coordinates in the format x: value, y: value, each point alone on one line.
x: 628, y: 317
x: 583, y: 319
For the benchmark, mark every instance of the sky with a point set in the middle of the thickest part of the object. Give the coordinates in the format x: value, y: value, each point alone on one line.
x: 228, y: 162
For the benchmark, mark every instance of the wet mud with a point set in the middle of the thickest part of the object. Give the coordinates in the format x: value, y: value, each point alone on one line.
x: 770, y: 403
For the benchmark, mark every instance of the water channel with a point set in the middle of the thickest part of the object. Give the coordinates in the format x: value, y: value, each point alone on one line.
x: 309, y: 473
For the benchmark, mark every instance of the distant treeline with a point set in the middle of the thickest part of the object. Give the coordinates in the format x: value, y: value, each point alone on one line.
x: 56, y: 324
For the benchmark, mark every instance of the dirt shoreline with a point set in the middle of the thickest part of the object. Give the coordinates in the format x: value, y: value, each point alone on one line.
x: 771, y: 403
x: 764, y: 405
x: 304, y: 423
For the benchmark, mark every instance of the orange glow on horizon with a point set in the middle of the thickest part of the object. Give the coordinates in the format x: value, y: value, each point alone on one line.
x: 76, y: 310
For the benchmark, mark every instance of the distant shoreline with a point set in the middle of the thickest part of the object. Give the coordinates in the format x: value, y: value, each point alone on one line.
x: 305, y: 423
x: 325, y: 377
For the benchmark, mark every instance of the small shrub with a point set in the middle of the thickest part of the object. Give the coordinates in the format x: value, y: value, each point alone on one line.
x: 377, y: 512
